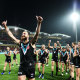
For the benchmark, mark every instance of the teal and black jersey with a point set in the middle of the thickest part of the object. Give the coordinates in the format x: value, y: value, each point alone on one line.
x: 27, y: 63
x: 42, y: 54
x: 26, y: 54
x: 7, y: 52
x: 8, y: 58
x: 55, y: 52
x: 72, y: 53
x: 64, y: 55
x: 14, y: 57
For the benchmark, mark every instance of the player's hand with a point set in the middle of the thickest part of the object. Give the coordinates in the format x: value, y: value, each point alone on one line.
x: 4, y: 23
x: 74, y: 54
x: 75, y: 47
x: 67, y: 60
x: 39, y: 18
x: 49, y: 41
x: 46, y: 50
x: 57, y: 41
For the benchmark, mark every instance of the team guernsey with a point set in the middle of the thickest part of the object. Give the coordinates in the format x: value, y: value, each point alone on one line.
x: 8, y: 58
x: 42, y: 56
x: 14, y: 57
x: 27, y: 66
x: 72, y: 61
x: 64, y: 56
x: 76, y: 59
x: 55, y: 54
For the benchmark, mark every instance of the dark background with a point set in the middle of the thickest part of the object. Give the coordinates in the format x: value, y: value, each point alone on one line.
x: 55, y: 13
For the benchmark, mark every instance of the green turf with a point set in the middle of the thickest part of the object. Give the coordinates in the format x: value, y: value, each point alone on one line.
x: 14, y: 71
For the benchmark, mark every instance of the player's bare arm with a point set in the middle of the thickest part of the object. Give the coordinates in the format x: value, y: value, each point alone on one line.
x: 4, y: 23
x: 59, y: 44
x: 37, y: 51
x: 39, y: 21
x: 49, y: 44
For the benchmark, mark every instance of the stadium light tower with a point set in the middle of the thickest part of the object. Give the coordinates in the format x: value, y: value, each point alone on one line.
x: 75, y: 18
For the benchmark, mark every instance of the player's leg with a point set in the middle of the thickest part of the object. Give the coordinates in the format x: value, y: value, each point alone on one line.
x: 21, y: 74
x: 9, y: 67
x: 16, y: 61
x: 47, y: 60
x: 66, y: 63
x: 77, y: 73
x: 4, y: 68
x: 62, y: 68
x: 43, y: 65
x: 56, y: 68
x: 59, y: 62
x: 32, y: 79
x: 22, y: 77
x: 59, y: 65
x: 39, y: 65
x: 52, y: 68
x: 69, y: 64
x: 72, y: 72
x: 13, y: 62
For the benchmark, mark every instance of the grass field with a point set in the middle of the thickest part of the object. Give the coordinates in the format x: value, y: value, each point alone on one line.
x: 14, y: 71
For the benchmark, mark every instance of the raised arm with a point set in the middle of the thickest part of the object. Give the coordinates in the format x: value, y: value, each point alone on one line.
x: 39, y: 21
x: 75, y: 52
x: 37, y: 51
x: 49, y: 44
x: 59, y: 45
x: 4, y: 23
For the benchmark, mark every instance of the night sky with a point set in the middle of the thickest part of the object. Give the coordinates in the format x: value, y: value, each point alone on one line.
x: 55, y: 13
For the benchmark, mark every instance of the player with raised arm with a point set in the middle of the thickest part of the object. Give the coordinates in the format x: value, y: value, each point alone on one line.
x: 77, y: 60
x: 27, y: 66
x: 43, y: 53
x: 64, y: 59
x: 55, y: 49
x: 72, y: 61
x: 7, y: 60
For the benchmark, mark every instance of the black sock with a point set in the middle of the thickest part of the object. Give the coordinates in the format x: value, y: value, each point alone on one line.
x: 16, y: 64
x: 3, y: 71
x: 72, y: 78
x: 9, y: 70
x: 39, y: 73
x: 56, y: 70
x: 52, y: 73
x: 12, y: 64
x: 42, y: 74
